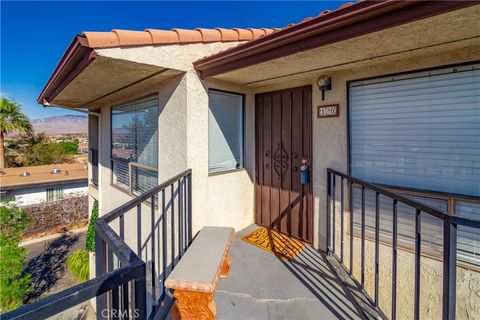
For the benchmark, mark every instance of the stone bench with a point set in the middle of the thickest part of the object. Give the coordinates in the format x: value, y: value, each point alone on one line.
x: 196, y: 275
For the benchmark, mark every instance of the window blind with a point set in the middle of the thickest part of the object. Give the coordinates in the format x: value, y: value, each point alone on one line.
x: 54, y: 194
x: 420, y: 130
x: 225, y: 131
x: 135, y: 140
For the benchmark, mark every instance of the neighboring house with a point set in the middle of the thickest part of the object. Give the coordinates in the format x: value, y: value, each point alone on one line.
x: 388, y: 92
x: 33, y: 185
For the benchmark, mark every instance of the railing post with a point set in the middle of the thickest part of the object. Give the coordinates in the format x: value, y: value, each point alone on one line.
x: 141, y: 296
x: 342, y: 218
x: 180, y: 218
x: 329, y: 192
x: 189, y: 208
x: 334, y: 211
x: 350, y: 196
x: 418, y: 242
x: 394, y: 260
x: 172, y: 210
x: 100, y: 269
x: 152, y: 247
x: 164, y: 244
x: 449, y: 268
x: 362, y: 264
x: 377, y: 246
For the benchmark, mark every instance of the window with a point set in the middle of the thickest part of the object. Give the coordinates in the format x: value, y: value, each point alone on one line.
x: 54, y: 194
x: 226, y: 130
x: 135, y: 145
x: 421, y: 131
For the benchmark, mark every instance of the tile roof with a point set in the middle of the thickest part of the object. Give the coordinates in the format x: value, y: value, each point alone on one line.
x: 290, y: 25
x: 349, y: 20
x: 81, y: 52
x: 121, y: 38
x: 12, y: 177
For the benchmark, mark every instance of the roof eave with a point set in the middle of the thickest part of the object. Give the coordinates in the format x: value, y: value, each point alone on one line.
x: 357, y: 19
x: 75, y: 59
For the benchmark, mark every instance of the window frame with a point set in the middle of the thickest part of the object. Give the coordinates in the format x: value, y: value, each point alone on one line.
x: 450, y: 197
x: 55, y: 191
x: 112, y: 183
x: 244, y: 115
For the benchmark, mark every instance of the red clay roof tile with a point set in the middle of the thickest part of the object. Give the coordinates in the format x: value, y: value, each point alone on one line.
x: 121, y: 38
x: 187, y: 36
x: 243, y: 34
x: 210, y: 35
x: 132, y: 38
x: 228, y: 34
x: 102, y: 39
x: 163, y: 36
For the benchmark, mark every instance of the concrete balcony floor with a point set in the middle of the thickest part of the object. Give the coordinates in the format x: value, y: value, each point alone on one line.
x: 263, y: 286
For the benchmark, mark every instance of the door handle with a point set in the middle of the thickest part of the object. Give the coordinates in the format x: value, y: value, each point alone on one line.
x: 304, y: 174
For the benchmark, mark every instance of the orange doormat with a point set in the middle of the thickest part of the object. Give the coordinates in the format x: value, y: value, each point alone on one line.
x: 275, y: 242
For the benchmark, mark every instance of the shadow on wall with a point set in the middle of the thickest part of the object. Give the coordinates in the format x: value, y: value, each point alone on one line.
x: 48, y: 267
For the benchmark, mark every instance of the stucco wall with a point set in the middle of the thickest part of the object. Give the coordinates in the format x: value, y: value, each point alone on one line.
x: 228, y: 199
x: 330, y: 134
x: 330, y: 151
x: 431, y: 280
x: 172, y: 135
x: 334, y: 130
x: 223, y: 199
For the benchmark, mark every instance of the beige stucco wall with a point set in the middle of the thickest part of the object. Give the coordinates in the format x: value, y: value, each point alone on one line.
x: 228, y: 199
x: 330, y: 134
x: 330, y: 151
x: 223, y: 199
x: 431, y: 277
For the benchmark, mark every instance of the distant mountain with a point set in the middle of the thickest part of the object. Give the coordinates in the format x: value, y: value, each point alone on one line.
x: 61, y: 124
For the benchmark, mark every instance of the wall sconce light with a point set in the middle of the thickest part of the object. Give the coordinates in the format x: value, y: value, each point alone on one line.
x: 324, y: 84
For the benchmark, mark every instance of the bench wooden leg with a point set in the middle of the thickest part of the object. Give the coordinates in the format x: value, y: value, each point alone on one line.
x: 192, y: 305
x: 225, y: 269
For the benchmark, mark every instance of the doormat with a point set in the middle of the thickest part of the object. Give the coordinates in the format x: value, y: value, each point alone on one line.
x: 275, y: 242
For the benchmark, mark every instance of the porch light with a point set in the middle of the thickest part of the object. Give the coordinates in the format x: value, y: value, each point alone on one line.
x: 324, y: 84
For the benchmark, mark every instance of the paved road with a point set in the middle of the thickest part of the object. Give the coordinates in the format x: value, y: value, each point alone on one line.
x: 46, y: 263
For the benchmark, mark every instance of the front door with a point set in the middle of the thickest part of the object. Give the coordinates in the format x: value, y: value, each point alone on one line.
x: 283, y: 144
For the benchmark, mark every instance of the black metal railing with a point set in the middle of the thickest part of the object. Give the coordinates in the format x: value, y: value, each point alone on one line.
x: 450, y: 224
x: 94, y: 164
x: 121, y: 287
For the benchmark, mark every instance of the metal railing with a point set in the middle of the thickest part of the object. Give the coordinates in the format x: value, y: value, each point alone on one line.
x: 449, y: 258
x: 122, y: 290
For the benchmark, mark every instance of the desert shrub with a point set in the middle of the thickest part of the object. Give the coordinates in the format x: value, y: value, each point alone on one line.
x: 14, y: 283
x: 72, y: 210
x: 69, y: 147
x: 78, y: 264
x: 45, y: 153
x: 90, y: 243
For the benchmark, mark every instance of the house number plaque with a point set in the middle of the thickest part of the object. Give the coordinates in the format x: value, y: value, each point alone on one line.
x: 328, y: 111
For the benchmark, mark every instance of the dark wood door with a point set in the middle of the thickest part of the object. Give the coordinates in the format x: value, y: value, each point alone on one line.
x: 283, y: 134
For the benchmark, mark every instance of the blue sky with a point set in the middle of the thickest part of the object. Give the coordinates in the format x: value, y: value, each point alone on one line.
x: 34, y: 35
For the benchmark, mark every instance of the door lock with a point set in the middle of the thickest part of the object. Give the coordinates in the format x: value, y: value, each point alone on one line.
x: 304, y: 174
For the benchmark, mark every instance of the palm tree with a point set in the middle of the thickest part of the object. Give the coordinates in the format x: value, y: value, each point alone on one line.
x: 12, y: 119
